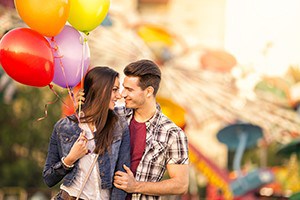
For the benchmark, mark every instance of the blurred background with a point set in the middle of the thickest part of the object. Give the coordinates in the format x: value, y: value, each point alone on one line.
x: 231, y: 72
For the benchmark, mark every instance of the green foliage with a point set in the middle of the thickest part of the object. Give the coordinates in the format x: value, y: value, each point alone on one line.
x: 23, y: 139
x: 272, y: 158
x: 271, y: 89
x: 252, y: 155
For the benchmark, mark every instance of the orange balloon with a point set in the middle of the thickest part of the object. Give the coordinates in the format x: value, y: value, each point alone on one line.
x: 47, y: 17
x: 68, y: 108
x: 151, y: 33
x: 218, y: 60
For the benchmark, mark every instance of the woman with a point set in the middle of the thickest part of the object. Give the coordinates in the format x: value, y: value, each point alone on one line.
x: 75, y: 144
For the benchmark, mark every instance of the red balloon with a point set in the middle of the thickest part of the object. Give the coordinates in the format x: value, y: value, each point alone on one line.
x: 26, y: 57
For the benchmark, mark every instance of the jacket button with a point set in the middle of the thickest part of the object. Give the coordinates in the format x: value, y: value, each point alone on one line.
x: 101, y: 161
x: 102, y: 174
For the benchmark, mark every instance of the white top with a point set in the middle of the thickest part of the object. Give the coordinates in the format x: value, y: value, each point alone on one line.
x: 92, y: 189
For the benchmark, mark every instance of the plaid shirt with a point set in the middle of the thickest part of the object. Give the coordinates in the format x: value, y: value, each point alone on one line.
x: 166, y: 144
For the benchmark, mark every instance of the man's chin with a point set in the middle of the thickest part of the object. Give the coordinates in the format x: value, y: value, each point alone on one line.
x: 127, y: 105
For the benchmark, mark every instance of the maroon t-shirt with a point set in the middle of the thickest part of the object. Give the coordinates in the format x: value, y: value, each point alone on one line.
x: 137, y: 145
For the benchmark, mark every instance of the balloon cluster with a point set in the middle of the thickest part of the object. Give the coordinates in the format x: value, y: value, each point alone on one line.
x: 51, y: 50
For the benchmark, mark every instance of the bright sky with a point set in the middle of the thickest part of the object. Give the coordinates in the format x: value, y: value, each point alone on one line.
x: 264, y: 34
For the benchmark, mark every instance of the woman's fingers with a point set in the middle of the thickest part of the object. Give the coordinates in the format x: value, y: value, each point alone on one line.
x: 82, y: 138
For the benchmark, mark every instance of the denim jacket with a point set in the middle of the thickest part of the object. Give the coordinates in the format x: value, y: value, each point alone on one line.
x: 64, y: 135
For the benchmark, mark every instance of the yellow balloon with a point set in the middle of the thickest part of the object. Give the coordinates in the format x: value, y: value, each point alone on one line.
x: 46, y: 17
x: 172, y: 110
x: 86, y: 15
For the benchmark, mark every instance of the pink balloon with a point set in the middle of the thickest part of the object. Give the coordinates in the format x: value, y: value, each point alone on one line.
x: 71, y: 57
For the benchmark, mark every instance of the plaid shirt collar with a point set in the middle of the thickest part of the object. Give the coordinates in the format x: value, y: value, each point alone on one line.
x: 154, y: 120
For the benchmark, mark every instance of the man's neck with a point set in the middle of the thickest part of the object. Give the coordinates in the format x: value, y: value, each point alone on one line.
x: 145, y: 113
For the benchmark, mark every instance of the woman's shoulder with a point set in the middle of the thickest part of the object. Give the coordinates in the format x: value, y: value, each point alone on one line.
x: 120, y: 110
x: 122, y: 120
x: 65, y: 122
x: 121, y: 127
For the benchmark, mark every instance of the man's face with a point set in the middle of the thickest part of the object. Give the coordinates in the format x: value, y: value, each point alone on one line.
x: 133, y: 94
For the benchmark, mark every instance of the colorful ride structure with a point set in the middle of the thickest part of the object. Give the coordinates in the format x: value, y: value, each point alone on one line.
x: 237, y: 137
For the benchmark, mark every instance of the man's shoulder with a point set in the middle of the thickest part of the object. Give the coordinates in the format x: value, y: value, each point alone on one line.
x: 166, y: 121
x: 167, y: 125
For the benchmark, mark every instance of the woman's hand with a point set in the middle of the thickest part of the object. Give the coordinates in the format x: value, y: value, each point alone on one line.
x: 78, y: 150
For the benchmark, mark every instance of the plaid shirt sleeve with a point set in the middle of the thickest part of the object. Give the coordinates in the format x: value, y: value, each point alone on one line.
x: 178, y: 149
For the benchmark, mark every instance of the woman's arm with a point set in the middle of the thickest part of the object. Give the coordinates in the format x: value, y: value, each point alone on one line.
x: 123, y: 159
x: 54, y: 170
x: 124, y: 152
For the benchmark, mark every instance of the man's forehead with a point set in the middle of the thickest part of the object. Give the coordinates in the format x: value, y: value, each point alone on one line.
x: 131, y: 80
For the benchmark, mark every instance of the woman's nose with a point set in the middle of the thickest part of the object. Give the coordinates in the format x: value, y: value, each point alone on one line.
x: 123, y: 93
x: 118, y: 95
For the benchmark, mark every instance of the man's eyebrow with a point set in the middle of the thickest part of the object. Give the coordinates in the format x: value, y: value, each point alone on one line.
x: 126, y: 87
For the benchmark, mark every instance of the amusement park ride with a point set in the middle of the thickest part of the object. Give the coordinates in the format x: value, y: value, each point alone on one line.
x: 238, y: 137
x: 202, y: 90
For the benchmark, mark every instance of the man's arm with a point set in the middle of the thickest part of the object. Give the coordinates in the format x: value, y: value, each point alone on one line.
x: 177, y: 183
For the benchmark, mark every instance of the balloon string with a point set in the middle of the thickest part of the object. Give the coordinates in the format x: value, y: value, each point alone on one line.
x: 82, y: 68
x: 51, y: 88
x: 71, y: 95
x: 60, y: 61
x: 46, y: 106
x: 52, y: 102
x: 70, y: 92
x: 46, y: 110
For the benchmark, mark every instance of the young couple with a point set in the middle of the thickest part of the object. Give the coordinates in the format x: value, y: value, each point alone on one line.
x: 109, y: 152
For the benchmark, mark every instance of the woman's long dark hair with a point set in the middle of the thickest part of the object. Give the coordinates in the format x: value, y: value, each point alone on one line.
x: 98, y: 86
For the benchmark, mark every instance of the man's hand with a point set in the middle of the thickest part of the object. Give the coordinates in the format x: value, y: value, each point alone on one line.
x: 177, y: 184
x: 125, y: 180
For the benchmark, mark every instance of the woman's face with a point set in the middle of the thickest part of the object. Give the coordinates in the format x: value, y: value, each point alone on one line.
x: 115, y: 94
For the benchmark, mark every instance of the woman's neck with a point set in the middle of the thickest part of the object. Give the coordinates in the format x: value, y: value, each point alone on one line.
x: 92, y: 127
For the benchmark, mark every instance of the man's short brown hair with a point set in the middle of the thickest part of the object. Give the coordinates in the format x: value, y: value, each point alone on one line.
x: 148, y: 72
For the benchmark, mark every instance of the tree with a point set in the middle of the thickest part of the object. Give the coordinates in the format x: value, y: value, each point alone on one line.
x: 23, y: 139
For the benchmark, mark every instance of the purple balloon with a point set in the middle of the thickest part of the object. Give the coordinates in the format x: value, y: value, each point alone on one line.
x: 71, y: 57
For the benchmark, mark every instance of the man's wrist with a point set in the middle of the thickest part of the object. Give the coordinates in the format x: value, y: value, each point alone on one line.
x: 137, y: 187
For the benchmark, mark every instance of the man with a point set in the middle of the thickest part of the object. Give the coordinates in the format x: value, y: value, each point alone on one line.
x: 157, y: 144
